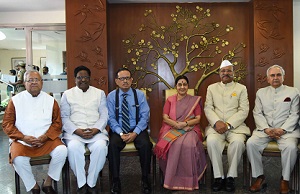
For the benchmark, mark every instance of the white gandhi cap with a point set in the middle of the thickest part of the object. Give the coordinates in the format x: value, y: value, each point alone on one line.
x: 225, y: 63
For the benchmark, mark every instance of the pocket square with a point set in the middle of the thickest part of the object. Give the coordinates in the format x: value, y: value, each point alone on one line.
x: 287, y: 99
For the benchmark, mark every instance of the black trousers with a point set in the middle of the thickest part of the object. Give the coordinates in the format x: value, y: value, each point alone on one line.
x: 142, y: 144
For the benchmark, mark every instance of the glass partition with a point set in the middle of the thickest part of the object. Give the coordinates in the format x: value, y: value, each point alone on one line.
x: 6, y: 92
x: 48, y: 50
x: 38, y: 46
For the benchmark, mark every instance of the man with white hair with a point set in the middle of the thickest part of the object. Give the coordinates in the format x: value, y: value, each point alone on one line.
x: 226, y: 108
x: 33, y: 124
x: 276, y: 115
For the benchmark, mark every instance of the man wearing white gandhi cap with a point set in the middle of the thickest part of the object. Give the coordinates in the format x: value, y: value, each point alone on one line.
x: 226, y: 108
x: 225, y: 63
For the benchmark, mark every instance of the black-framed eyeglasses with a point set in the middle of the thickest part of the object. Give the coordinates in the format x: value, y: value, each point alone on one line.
x: 226, y: 71
x: 275, y: 75
x: 83, y: 77
x: 124, y: 78
x: 33, y: 80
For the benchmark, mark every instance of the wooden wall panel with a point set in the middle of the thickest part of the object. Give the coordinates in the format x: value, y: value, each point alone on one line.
x: 86, y: 35
x: 265, y: 26
x: 273, y: 35
x: 126, y: 19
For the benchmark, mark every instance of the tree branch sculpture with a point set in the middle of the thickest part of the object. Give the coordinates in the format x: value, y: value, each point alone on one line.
x: 188, y: 35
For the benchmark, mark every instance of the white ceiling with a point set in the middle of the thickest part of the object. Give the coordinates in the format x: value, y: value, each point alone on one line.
x: 51, y: 5
x: 31, y: 5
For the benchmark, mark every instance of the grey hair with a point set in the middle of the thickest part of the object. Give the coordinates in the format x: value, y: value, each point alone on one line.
x: 31, y: 71
x: 276, y: 66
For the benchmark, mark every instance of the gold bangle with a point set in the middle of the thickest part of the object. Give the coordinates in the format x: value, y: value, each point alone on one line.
x: 186, y: 123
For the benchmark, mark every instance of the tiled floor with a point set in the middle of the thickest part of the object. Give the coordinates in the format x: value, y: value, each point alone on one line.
x: 130, y: 176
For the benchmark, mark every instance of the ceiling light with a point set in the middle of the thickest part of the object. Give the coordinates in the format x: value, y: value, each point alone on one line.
x: 2, y: 36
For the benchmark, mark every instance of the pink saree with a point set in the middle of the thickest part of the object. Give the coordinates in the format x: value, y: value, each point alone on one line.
x: 181, y: 154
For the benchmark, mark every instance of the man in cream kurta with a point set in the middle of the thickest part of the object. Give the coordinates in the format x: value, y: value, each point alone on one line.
x: 226, y: 109
x: 276, y: 115
x: 33, y: 123
x: 84, y: 115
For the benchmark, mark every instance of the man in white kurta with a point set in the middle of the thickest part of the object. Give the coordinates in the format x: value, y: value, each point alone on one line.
x: 33, y: 123
x: 276, y: 115
x: 84, y: 116
x: 226, y: 109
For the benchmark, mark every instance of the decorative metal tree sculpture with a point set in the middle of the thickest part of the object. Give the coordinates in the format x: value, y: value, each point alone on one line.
x: 188, y: 34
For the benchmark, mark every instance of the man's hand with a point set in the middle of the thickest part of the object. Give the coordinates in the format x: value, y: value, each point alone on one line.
x: 275, y: 133
x: 220, y: 127
x: 94, y: 131
x: 43, y: 138
x: 33, y: 141
x: 86, y: 133
x: 278, y: 132
x: 129, y: 137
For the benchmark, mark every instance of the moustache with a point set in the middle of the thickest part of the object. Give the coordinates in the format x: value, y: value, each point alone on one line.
x: 230, y: 76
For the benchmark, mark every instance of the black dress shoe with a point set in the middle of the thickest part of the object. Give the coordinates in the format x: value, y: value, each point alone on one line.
x: 36, y: 191
x: 146, y: 186
x: 82, y: 190
x: 116, y: 187
x: 218, y: 184
x: 92, y: 190
x: 230, y: 187
x: 48, y: 189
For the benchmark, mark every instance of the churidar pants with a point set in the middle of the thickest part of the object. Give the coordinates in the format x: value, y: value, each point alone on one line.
x: 23, y: 167
x: 236, y: 146
x: 287, y: 146
x: 76, y: 150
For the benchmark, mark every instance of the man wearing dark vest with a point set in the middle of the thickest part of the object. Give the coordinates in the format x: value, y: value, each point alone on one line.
x: 128, y: 112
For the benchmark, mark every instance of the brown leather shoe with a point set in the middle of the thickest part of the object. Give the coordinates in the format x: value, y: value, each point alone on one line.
x: 258, y: 185
x: 36, y: 191
x: 284, y: 187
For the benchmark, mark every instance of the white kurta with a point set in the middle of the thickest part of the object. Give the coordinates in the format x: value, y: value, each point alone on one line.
x: 41, y: 113
x: 36, y: 122
x: 85, y: 110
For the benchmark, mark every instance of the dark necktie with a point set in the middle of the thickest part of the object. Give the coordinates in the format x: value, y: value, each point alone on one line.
x: 125, y: 115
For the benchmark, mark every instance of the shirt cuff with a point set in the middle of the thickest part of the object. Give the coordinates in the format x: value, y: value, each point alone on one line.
x: 137, y: 130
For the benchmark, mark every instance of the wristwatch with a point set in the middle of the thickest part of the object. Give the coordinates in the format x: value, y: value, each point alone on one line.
x: 121, y: 133
x: 228, y: 126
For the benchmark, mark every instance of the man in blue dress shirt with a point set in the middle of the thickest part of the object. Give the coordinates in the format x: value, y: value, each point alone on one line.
x: 136, y: 132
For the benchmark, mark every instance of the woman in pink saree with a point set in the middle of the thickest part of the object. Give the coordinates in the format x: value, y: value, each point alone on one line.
x: 179, y: 148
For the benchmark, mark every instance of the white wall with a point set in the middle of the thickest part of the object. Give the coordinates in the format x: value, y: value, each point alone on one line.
x: 6, y: 55
x: 34, y: 17
x: 296, y: 17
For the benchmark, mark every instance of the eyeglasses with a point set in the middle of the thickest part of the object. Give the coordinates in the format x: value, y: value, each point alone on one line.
x: 180, y: 84
x: 124, y: 78
x: 226, y: 71
x: 33, y: 80
x: 83, y: 77
x: 277, y: 75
